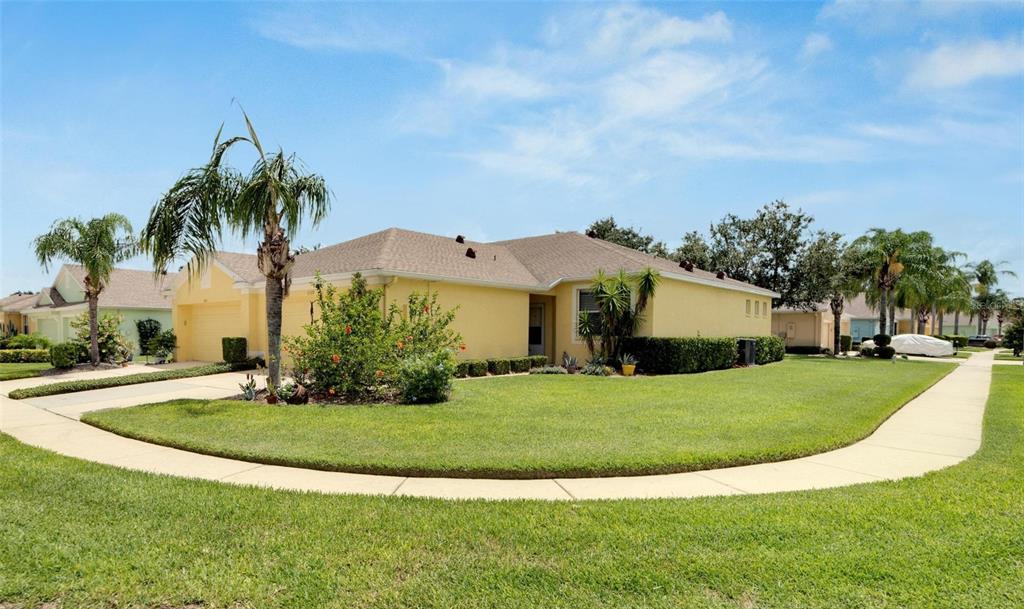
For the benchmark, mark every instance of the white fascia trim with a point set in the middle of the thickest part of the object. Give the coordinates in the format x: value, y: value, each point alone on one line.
x: 687, y: 278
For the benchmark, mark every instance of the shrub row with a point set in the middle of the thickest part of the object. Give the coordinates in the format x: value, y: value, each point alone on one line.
x: 769, y: 349
x: 131, y: 379
x: 657, y: 355
x: 959, y: 340
x: 499, y: 365
x: 24, y: 356
x: 25, y: 341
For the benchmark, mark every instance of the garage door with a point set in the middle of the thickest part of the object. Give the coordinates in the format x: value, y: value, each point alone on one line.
x: 49, y: 329
x: 210, y: 323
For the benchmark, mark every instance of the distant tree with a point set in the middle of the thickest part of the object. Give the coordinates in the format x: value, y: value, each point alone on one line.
x: 626, y: 236
x: 830, y: 276
x: 695, y: 250
x: 98, y: 245
x: 766, y: 250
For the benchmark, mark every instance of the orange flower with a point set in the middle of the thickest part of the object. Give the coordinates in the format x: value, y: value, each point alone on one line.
x: 330, y: 391
x: 426, y: 308
x: 462, y: 346
x: 348, y: 329
x: 335, y: 358
x: 408, y: 338
x: 380, y: 373
x: 400, y: 344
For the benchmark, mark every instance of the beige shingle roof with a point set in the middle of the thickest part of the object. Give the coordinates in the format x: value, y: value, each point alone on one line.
x: 17, y: 302
x: 129, y: 288
x: 532, y: 262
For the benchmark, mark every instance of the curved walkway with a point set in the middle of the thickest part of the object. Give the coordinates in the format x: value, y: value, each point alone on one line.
x: 939, y: 428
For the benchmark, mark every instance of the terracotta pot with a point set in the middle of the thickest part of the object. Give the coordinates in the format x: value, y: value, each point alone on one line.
x: 628, y: 369
x: 271, y: 398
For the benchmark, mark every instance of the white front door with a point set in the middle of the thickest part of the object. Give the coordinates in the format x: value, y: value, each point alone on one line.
x: 537, y: 337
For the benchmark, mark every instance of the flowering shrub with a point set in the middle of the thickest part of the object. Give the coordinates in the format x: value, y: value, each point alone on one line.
x: 427, y: 378
x: 355, y: 349
x: 114, y: 347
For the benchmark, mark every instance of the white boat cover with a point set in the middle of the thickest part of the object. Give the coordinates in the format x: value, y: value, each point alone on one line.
x: 919, y: 344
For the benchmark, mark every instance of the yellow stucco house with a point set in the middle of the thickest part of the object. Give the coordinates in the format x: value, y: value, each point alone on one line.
x: 12, y: 320
x: 514, y: 297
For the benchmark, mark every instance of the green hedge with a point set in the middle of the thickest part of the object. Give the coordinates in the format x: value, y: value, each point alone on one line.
x: 520, y: 364
x: 769, y: 349
x: 959, y: 340
x: 845, y: 342
x: 65, y: 355
x: 131, y: 379
x: 234, y: 349
x: 538, y: 361
x: 24, y: 356
x: 499, y: 366
x: 477, y: 367
x: 658, y: 355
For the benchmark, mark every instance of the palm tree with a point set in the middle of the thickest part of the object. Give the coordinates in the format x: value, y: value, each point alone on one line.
x: 621, y: 301
x: 98, y: 245
x: 882, y: 256
x: 956, y: 297
x: 986, y: 274
x: 272, y: 200
x: 926, y: 284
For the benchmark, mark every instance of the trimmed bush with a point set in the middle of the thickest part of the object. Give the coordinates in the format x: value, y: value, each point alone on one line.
x: 65, y: 355
x: 845, y: 342
x: 991, y: 344
x: 462, y: 369
x: 657, y: 355
x: 885, y: 352
x: 769, y: 349
x: 499, y: 366
x: 427, y: 378
x: 24, y: 356
x: 549, y: 370
x: 477, y: 367
x: 130, y: 379
x: 882, y: 340
x: 27, y: 341
x: 538, y: 361
x: 959, y: 340
x: 234, y: 349
x: 520, y: 364
x: 147, y: 329
x: 867, y: 351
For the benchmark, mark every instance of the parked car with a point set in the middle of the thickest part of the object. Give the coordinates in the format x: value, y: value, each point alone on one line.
x: 920, y: 344
x: 978, y: 340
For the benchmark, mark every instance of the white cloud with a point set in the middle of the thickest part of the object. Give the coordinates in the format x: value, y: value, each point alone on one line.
x: 637, y: 30
x: 958, y: 64
x: 319, y: 30
x: 492, y: 81
x: 897, y: 133
x: 815, y: 44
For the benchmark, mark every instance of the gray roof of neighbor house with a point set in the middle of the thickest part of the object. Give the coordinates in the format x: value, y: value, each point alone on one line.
x: 530, y: 263
x: 18, y: 301
x: 126, y: 289
x: 855, y: 308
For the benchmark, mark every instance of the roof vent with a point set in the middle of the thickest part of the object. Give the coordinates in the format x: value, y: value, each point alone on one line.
x: 470, y: 253
x: 592, y: 234
x: 460, y: 239
x: 720, y: 274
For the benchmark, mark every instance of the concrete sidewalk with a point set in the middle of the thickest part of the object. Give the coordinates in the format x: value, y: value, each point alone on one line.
x: 939, y: 428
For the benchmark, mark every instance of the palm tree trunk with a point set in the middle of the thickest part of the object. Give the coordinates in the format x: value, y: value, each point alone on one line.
x: 892, y: 316
x: 94, y: 329
x: 956, y: 322
x: 940, y: 332
x: 883, y: 308
x: 837, y: 342
x: 274, y: 299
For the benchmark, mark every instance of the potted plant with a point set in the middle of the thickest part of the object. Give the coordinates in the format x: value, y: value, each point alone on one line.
x: 628, y: 364
x: 271, y: 392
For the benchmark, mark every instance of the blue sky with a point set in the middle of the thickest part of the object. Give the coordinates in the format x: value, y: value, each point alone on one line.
x: 505, y: 120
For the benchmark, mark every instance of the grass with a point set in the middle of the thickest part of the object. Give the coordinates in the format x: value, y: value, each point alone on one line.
x: 9, y: 372
x: 544, y: 426
x: 130, y: 379
x: 79, y: 534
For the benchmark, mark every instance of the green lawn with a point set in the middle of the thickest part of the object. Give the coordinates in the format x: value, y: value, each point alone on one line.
x: 79, y: 534
x: 9, y: 372
x: 1007, y: 356
x: 542, y: 426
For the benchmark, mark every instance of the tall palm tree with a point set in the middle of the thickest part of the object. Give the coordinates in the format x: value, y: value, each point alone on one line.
x: 926, y: 283
x: 986, y: 274
x: 956, y: 297
x: 883, y: 256
x: 1003, y: 307
x: 98, y: 245
x: 272, y: 200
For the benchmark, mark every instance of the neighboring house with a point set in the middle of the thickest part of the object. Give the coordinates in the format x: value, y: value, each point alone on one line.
x: 864, y: 320
x: 133, y: 294
x: 12, y: 322
x: 514, y: 297
x: 803, y: 328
